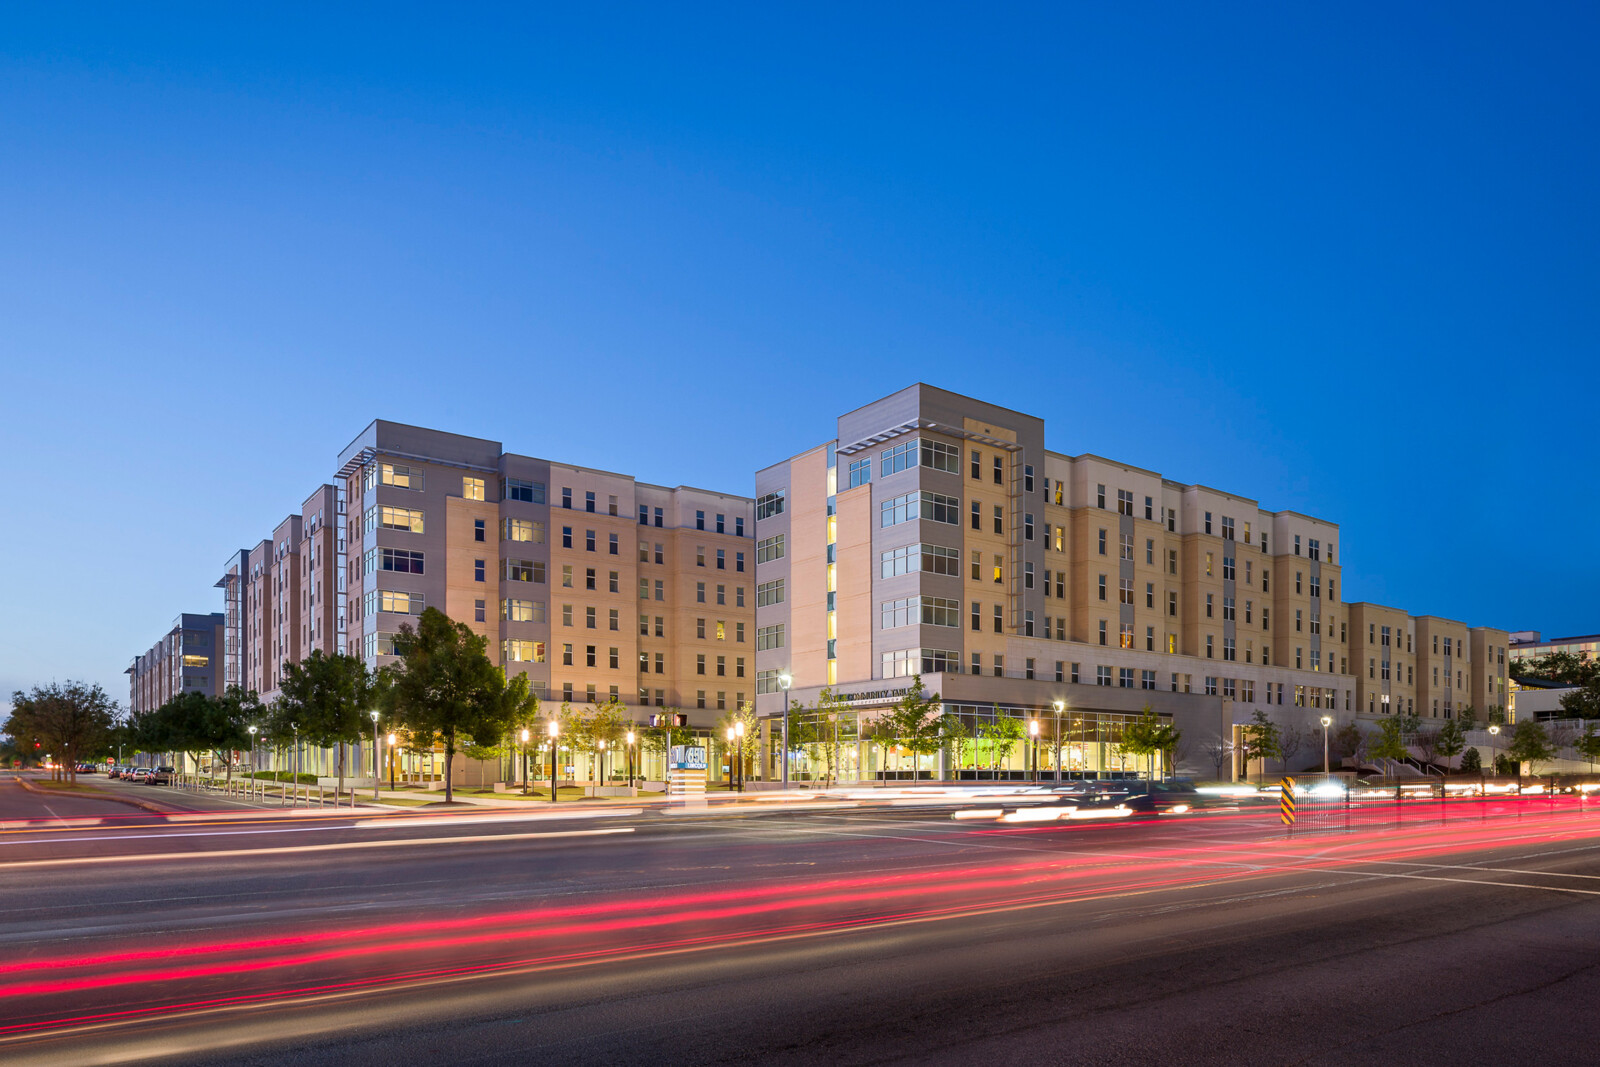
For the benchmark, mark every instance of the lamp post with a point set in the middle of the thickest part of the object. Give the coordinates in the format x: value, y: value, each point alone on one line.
x: 1327, y: 721
x: 1060, y: 706
x: 391, y: 758
x: 730, y: 759
x: 738, y: 731
x: 1494, y: 732
x: 299, y: 763
x: 253, y: 730
x: 1033, y: 744
x: 523, y: 756
x: 785, y: 680
x: 600, y: 759
x: 555, y: 732
x: 377, y: 754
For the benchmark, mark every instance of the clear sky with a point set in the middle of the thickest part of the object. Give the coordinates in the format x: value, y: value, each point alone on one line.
x: 1339, y: 260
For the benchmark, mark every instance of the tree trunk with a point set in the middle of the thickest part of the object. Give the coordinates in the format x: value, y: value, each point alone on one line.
x: 342, y: 747
x: 449, y: 763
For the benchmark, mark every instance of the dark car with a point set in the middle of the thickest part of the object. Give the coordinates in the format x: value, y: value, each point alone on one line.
x: 161, y: 776
x: 1172, y: 797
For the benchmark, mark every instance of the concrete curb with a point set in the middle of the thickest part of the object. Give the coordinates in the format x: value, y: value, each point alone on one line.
x: 98, y: 794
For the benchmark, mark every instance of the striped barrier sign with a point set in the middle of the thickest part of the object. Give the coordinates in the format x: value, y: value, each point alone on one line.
x: 1286, y: 803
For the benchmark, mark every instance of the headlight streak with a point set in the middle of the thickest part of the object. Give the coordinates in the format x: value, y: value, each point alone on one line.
x: 643, y: 923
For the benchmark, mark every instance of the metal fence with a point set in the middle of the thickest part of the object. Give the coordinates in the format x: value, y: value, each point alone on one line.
x: 1332, y: 805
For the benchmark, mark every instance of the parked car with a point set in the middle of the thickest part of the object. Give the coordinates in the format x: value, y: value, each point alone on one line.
x: 140, y: 774
x: 160, y: 776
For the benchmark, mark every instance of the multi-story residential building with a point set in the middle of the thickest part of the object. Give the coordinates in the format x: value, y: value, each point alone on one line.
x: 283, y: 598
x: 592, y: 584
x: 1489, y: 688
x: 1383, y: 655
x: 936, y: 535
x: 188, y: 659
x: 235, y: 578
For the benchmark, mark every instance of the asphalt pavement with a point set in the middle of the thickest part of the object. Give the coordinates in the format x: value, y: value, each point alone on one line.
x: 847, y: 936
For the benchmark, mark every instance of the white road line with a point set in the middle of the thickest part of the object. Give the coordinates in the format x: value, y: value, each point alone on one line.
x: 297, y: 850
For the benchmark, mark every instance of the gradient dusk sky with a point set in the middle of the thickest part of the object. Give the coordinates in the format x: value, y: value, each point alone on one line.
x: 1339, y: 259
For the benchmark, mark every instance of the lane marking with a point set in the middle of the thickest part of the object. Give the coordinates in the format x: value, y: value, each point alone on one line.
x: 152, y: 857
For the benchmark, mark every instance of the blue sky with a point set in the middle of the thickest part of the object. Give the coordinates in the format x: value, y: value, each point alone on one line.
x: 1343, y: 261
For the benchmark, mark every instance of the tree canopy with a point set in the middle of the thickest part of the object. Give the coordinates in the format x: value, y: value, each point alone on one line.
x: 444, y: 688
x: 326, y: 700
x: 71, y: 721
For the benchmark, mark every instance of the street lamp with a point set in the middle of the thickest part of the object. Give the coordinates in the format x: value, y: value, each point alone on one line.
x: 1033, y: 744
x: 1060, y: 706
x: 1327, y: 721
x: 601, y: 760
x: 730, y: 759
x: 391, y: 758
x: 738, y: 730
x: 253, y: 730
x: 377, y: 754
x: 524, y: 758
x: 1494, y: 759
x: 555, y: 732
x: 785, y: 680
x: 299, y: 763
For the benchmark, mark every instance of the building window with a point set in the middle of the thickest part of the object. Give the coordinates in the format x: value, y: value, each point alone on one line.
x: 478, y: 530
x: 766, y: 506
x: 516, y: 489
x: 769, y: 549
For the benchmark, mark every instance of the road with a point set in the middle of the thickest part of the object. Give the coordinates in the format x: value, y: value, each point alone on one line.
x: 18, y: 803
x: 861, y: 936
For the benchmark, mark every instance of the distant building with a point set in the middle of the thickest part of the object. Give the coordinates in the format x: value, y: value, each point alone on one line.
x: 187, y: 660
x: 1529, y: 644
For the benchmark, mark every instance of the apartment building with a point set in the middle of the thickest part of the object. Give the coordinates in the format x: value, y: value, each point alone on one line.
x: 936, y: 535
x: 187, y: 659
x: 591, y: 583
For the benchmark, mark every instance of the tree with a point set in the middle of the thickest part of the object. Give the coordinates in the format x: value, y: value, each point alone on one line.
x: 747, y: 745
x: 916, y: 721
x: 953, y: 730
x: 72, y: 718
x: 1260, y: 740
x: 1291, y: 740
x: 1471, y: 761
x: 1451, y: 738
x: 1349, y: 740
x: 326, y: 700
x: 1427, y: 742
x: 1390, y: 743
x: 1467, y: 718
x: 1002, y: 732
x: 193, y: 723
x: 444, y: 688
x: 1583, y: 702
x: 1530, y: 744
x: 1588, y: 745
x: 1560, y: 667
x: 1148, y: 736
x: 1221, y: 751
